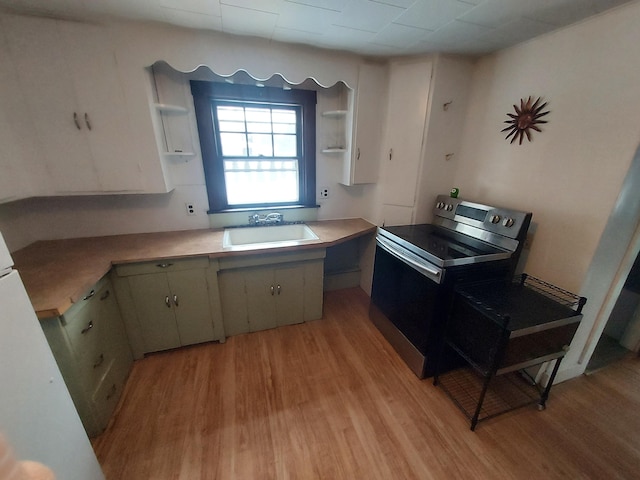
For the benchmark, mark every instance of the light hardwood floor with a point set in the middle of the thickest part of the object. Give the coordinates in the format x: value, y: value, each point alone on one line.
x: 330, y: 399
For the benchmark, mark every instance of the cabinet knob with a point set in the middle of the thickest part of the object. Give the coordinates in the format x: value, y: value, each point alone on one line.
x: 105, y: 295
x: 76, y: 121
x: 272, y: 290
x: 279, y: 289
x: 167, y: 301
x: 175, y: 300
x: 87, y: 328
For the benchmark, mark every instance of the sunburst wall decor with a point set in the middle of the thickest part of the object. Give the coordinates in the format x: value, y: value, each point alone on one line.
x: 527, y: 117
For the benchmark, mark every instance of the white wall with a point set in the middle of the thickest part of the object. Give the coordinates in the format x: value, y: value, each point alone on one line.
x: 571, y: 174
x: 140, y: 45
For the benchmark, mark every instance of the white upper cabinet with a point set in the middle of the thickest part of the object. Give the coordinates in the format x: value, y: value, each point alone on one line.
x: 408, y: 99
x: 79, y: 116
x: 19, y: 157
x: 362, y: 166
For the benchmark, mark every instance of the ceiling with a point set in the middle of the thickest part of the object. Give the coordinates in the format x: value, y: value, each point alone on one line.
x: 380, y: 27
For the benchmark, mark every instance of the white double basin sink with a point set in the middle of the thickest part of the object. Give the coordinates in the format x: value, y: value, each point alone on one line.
x: 273, y: 236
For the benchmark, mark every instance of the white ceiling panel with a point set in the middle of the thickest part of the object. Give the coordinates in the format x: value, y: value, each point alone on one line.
x: 307, y: 19
x: 432, y: 14
x: 193, y: 20
x: 372, y: 27
x: 335, y: 5
x: 206, y: 7
x: 245, y: 21
x: 377, y: 15
x: 400, y: 35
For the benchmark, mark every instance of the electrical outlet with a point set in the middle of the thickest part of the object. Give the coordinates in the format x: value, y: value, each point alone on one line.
x: 324, y: 192
x: 191, y: 209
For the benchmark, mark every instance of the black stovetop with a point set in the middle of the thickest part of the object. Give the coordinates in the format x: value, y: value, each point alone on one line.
x: 442, y: 246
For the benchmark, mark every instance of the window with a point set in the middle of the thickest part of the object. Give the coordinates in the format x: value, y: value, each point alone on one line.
x: 258, y: 145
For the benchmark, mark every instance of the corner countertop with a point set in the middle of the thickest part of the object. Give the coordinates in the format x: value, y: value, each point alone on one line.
x: 56, y: 273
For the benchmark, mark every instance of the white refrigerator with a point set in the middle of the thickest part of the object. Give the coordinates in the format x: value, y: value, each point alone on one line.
x: 37, y: 416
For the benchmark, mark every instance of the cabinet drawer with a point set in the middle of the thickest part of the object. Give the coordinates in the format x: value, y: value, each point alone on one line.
x: 160, y: 266
x: 83, y: 324
x: 106, y: 395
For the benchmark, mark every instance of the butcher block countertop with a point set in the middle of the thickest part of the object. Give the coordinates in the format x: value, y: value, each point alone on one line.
x: 57, y: 273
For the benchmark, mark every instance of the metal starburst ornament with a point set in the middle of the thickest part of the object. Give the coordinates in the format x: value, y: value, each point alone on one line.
x: 526, y: 117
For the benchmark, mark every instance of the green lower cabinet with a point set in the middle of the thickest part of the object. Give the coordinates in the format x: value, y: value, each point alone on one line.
x: 171, y: 304
x: 268, y: 296
x: 91, y: 348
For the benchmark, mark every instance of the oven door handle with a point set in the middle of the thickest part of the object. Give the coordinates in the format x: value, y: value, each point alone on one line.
x: 432, y: 273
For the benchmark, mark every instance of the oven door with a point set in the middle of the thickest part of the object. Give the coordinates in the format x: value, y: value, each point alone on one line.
x: 408, y: 305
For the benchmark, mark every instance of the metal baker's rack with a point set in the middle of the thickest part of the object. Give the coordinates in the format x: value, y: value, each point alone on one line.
x: 501, y: 330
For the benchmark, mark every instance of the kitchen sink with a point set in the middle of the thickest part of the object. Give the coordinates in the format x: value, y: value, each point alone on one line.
x: 249, y: 238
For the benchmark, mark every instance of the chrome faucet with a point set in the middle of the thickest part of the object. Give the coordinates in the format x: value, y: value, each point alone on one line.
x: 268, y: 219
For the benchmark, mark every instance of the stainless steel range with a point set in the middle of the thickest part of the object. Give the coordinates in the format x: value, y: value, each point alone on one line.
x: 417, y: 266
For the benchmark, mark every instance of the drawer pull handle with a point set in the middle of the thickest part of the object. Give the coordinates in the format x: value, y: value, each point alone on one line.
x: 271, y: 290
x: 89, y: 295
x: 87, y: 328
x: 112, y: 391
x: 87, y: 121
x: 100, y: 361
x: 105, y: 295
x: 167, y: 302
x: 175, y: 300
x: 164, y: 265
x: 76, y: 121
x: 279, y: 289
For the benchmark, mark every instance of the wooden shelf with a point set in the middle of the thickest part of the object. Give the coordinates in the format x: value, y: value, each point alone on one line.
x: 179, y: 154
x: 334, y: 150
x: 334, y: 113
x: 166, y: 108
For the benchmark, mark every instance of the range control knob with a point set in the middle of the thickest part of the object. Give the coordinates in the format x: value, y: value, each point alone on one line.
x: 494, y: 218
x: 508, y: 222
x: 440, y: 205
x: 449, y: 207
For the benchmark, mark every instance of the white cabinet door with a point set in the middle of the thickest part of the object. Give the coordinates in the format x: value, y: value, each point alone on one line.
x: 409, y: 85
x: 367, y: 127
x: 69, y: 79
x: 92, y: 66
x: 40, y: 62
x: 19, y: 160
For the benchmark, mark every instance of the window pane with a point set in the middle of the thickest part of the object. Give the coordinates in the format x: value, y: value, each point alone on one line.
x: 233, y: 144
x: 226, y: 126
x: 259, y: 127
x: 284, y: 145
x: 260, y: 144
x: 284, y: 128
x: 231, y: 113
x: 261, y: 181
x: 258, y: 115
x: 284, y: 116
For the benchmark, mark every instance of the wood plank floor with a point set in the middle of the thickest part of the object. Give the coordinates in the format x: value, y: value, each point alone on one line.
x: 330, y: 399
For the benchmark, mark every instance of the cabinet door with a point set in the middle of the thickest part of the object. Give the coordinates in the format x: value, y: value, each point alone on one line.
x: 91, y: 64
x: 365, y: 154
x: 39, y: 58
x: 289, y: 295
x: 233, y: 301
x: 153, y: 303
x: 406, y: 116
x: 19, y: 160
x: 190, y: 299
x: 260, y: 298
